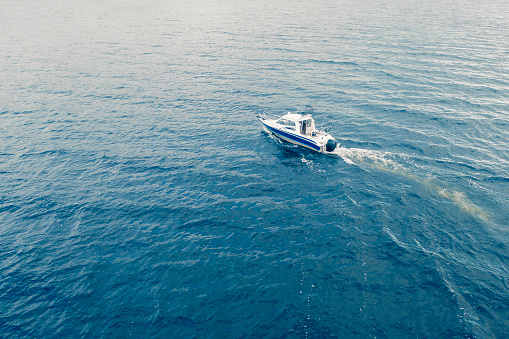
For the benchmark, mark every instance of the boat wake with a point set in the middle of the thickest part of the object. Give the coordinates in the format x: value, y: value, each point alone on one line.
x: 405, y: 166
x: 385, y: 161
x: 391, y: 162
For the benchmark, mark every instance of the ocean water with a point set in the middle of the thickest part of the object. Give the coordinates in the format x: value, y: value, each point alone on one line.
x: 140, y: 196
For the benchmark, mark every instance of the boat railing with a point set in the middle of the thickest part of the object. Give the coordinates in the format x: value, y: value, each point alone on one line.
x: 265, y: 115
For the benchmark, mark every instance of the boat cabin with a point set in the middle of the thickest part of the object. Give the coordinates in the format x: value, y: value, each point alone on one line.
x: 297, y: 122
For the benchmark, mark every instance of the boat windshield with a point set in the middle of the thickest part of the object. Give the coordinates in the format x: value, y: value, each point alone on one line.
x: 286, y: 123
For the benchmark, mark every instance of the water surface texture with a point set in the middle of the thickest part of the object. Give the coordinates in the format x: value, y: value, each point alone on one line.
x: 140, y: 197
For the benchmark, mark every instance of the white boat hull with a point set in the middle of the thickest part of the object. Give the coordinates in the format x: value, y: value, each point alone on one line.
x: 319, y: 141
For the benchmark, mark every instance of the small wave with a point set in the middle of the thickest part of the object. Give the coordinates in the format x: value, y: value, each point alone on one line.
x: 337, y: 62
x: 497, y: 178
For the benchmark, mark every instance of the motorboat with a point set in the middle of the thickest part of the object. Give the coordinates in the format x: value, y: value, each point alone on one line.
x: 299, y: 129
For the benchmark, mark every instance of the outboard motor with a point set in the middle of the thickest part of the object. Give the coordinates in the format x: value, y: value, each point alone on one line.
x: 331, y: 145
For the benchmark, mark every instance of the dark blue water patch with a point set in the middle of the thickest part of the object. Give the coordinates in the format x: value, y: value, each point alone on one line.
x: 161, y: 208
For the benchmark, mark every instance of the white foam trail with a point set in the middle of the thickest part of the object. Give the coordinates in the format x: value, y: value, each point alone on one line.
x: 307, y: 162
x: 386, y: 161
x: 381, y: 160
x: 459, y: 199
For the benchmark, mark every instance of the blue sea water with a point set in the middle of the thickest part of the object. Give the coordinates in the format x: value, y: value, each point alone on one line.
x: 140, y: 196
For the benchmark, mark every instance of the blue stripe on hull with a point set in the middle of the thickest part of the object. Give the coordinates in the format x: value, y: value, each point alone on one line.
x: 295, y: 138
